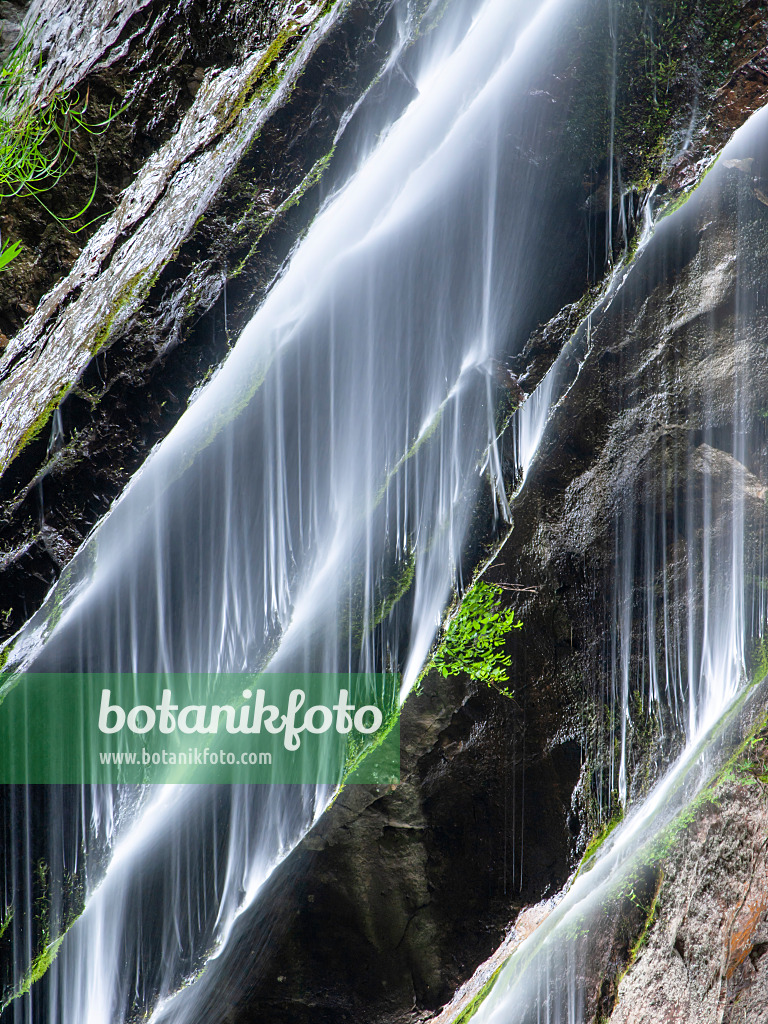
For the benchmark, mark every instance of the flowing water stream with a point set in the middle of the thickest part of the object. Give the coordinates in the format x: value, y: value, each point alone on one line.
x: 698, y: 619
x: 337, y: 456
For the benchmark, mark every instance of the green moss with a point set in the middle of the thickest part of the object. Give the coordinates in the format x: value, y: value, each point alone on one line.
x: 33, y: 431
x: 6, y: 920
x: 650, y: 920
x: 599, y: 838
x: 122, y: 299
x: 359, y: 751
x: 678, y: 201
x: 709, y: 797
x: 396, y: 586
x: 473, y: 1006
x: 760, y: 657
x: 667, y: 56
x: 38, y: 967
x: 749, y: 763
x: 60, y: 592
x: 49, y: 935
x: 266, y: 76
x: 311, y: 179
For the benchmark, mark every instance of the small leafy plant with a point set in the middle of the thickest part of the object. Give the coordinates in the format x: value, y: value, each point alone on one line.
x: 474, y: 640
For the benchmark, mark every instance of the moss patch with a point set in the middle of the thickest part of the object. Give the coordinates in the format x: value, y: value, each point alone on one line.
x: 124, y: 296
x: 269, y: 71
x: 6, y: 920
x: 657, y: 63
x: 650, y: 920
x: 395, y: 586
x: 599, y: 838
x: 264, y: 222
x: 473, y: 1006
x: 33, y: 432
x: 49, y: 932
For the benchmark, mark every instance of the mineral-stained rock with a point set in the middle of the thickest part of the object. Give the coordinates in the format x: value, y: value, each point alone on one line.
x: 703, y: 960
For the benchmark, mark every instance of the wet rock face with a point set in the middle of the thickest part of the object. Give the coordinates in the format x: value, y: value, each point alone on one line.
x: 663, y: 421
x: 661, y: 403
x: 42, y: 904
x: 704, y: 958
x: 132, y: 56
x: 403, y: 892
x: 130, y: 393
x: 223, y: 197
x: 12, y: 13
x: 210, y: 191
x: 683, y: 74
x: 397, y: 893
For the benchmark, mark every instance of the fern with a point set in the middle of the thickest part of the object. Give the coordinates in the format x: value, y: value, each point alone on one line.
x: 475, y: 639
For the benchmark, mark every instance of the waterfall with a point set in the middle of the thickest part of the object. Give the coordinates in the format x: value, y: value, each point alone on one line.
x: 336, y: 456
x: 694, y: 535
x: 313, y: 508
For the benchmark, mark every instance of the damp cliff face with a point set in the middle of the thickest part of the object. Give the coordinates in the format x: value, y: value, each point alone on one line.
x: 661, y: 406
x: 210, y: 133
x: 213, y: 175
x: 702, y: 951
x: 212, y: 169
x: 662, y: 402
x: 500, y: 797
x: 688, y: 409
x: 229, y: 118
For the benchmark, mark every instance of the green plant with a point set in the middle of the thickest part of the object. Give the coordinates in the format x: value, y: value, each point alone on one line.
x: 5, y: 919
x: 37, y: 136
x: 760, y: 653
x: 650, y: 914
x: 473, y: 1006
x: 600, y: 837
x: 9, y: 252
x: 475, y: 638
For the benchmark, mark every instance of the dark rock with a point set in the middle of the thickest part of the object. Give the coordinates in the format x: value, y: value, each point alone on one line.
x: 397, y: 893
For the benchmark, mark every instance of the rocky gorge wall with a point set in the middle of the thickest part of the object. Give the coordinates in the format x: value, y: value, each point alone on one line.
x: 396, y: 896
x: 187, y: 220
x: 702, y: 956
x: 499, y: 797
x: 229, y: 120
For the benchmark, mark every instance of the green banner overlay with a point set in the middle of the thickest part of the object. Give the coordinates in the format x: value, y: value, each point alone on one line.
x: 199, y: 728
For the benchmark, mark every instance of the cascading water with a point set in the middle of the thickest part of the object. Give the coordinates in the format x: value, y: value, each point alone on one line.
x: 311, y: 509
x: 690, y: 555
x: 334, y: 459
